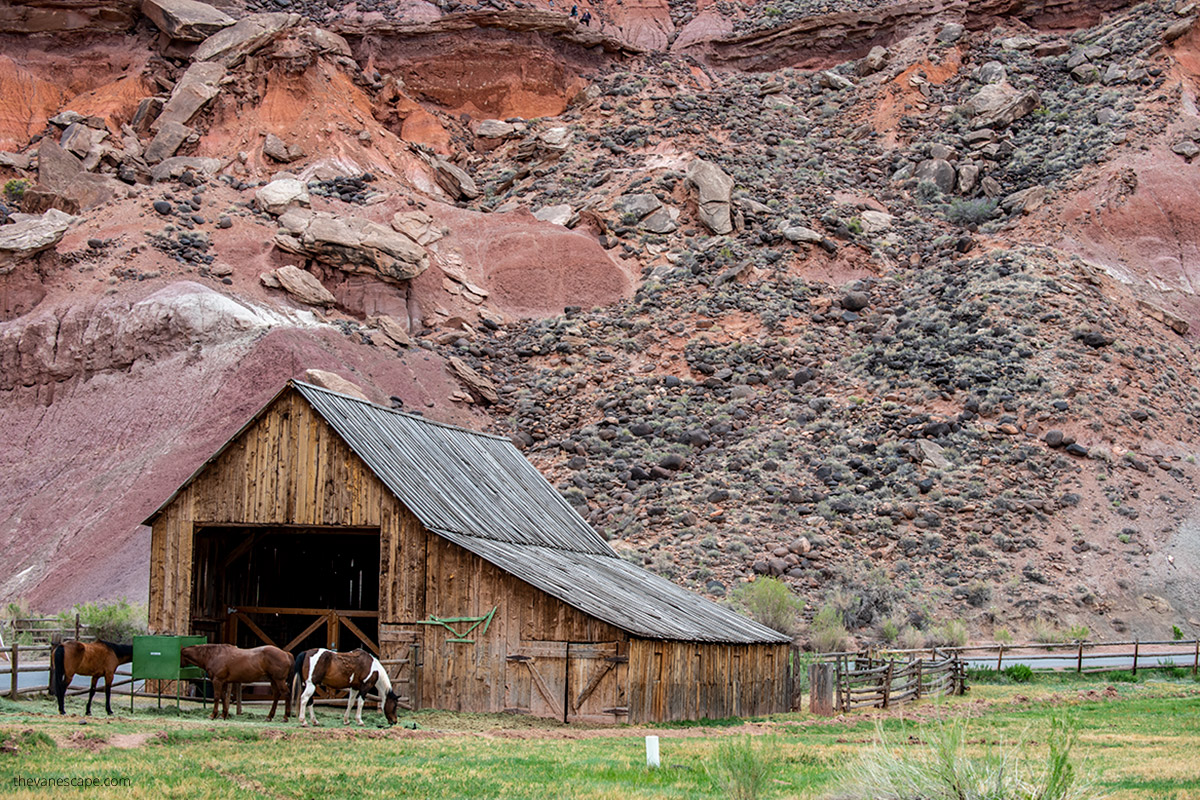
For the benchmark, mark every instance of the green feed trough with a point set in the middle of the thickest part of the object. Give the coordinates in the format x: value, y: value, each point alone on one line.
x: 156, y: 658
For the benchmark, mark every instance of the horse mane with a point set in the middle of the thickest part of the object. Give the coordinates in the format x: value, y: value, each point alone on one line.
x: 120, y: 650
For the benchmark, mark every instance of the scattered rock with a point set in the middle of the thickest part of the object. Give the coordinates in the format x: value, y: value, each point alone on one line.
x: 273, y: 147
x: 557, y: 215
x: 998, y: 105
x: 416, y: 225
x: 715, y: 190
x: 280, y: 195
x: 303, y: 286
x: 335, y: 383
x: 481, y: 388
x: 937, y: 171
x: 170, y: 136
x: 230, y: 46
x: 454, y: 181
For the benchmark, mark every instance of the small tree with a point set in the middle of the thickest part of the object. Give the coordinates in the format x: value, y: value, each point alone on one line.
x: 769, y: 601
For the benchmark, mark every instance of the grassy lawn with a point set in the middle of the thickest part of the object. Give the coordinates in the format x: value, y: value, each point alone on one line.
x: 1134, y: 741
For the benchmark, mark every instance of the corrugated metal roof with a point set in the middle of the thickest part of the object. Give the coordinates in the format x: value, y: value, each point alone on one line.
x: 619, y: 593
x: 456, y: 479
x: 478, y: 491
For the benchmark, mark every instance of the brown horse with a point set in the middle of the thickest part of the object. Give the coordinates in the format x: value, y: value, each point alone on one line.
x: 358, y: 671
x: 86, y: 658
x: 227, y: 664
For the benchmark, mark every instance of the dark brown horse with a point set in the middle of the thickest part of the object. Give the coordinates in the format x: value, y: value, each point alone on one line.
x: 86, y: 658
x: 358, y: 671
x: 227, y: 664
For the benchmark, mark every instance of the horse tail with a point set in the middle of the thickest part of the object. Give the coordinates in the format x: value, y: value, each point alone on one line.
x: 294, y: 675
x: 58, y: 671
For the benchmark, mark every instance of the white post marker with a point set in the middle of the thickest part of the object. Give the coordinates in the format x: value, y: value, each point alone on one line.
x: 652, y: 751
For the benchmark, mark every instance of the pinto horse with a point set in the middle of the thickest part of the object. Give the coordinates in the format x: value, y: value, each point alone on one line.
x: 73, y: 658
x: 227, y: 664
x: 358, y: 671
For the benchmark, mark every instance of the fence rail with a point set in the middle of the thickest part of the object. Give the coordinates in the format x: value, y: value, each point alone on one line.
x: 1080, y: 657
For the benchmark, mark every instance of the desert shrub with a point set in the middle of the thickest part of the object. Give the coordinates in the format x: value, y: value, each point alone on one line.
x: 970, y: 212
x: 947, y: 769
x: 1002, y: 635
x: 1077, y: 633
x: 742, y: 767
x: 951, y: 633
x: 828, y: 634
x: 14, y: 190
x: 1176, y: 632
x: 118, y: 621
x: 911, y: 638
x: 769, y: 601
x: 1019, y: 673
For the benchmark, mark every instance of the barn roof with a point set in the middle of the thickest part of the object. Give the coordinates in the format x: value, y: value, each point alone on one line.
x: 477, y: 491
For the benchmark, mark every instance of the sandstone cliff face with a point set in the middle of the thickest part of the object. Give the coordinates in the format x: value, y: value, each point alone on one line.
x: 930, y: 304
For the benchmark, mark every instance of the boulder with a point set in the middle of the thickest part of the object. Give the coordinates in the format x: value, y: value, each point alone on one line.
x: 800, y: 234
x: 392, y: 329
x: 280, y: 195
x: 78, y: 139
x: 715, y: 190
x: 168, y: 139
x: 556, y: 138
x: 998, y: 105
x: 273, y: 147
x: 335, y: 383
x: 352, y: 244
x: 416, y: 225
x: 18, y: 161
x: 937, y: 171
x: 876, y: 221
x: 172, y: 168
x: 302, y: 285
x: 494, y: 129
x: 639, y: 205
x: 556, y: 215
x: 192, y: 92
x: 662, y: 221
x: 56, y: 167
x: 454, y: 181
x: 873, y: 61
x: 185, y: 20
x: 30, y: 235
x: 481, y: 388
x: 831, y: 80
x: 230, y: 46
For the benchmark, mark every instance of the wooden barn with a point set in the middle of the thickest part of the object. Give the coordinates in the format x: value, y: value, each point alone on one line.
x: 329, y: 521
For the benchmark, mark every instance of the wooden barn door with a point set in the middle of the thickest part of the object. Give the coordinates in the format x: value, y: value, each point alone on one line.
x: 596, y: 675
x: 537, y: 682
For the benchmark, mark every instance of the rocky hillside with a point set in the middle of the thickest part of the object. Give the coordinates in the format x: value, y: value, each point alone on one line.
x: 892, y: 301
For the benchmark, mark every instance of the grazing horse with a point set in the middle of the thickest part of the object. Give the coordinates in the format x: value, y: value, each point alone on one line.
x: 73, y: 658
x: 227, y: 664
x: 358, y: 671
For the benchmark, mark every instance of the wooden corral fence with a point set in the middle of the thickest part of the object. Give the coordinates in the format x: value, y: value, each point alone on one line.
x: 26, y: 659
x: 1079, y: 656
x: 846, y: 681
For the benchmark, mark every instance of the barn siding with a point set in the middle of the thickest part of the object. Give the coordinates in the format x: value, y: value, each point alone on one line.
x: 689, y: 680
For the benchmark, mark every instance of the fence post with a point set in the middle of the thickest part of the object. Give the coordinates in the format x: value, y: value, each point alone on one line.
x: 77, y: 626
x: 1196, y: 658
x: 16, y: 656
x: 1000, y: 657
x: 1079, y: 659
x: 1135, y: 656
x: 887, y: 683
x: 822, y: 688
x: 918, y: 663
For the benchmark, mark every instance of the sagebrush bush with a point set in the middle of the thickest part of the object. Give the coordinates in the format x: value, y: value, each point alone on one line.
x: 118, y: 621
x: 970, y: 212
x: 742, y: 767
x: 828, y: 634
x: 951, y: 633
x: 949, y: 769
x: 769, y: 601
x: 1019, y: 673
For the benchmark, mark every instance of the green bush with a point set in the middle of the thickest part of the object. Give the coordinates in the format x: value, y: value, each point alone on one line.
x: 743, y: 768
x: 970, y: 212
x: 828, y: 634
x: 951, y: 633
x: 1176, y: 632
x: 1019, y: 673
x: 118, y: 621
x: 14, y: 190
x: 769, y: 601
x: 947, y: 769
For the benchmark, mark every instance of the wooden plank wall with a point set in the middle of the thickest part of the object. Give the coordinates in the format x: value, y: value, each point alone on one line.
x: 479, y: 677
x: 680, y: 680
x: 289, y: 468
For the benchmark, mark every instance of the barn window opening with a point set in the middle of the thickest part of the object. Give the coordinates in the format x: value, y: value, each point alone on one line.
x: 291, y: 586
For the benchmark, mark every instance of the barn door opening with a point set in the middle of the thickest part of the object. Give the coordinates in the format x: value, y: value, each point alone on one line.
x: 293, y: 587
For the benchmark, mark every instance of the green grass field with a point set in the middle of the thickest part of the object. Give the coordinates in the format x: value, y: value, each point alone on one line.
x: 1134, y: 741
